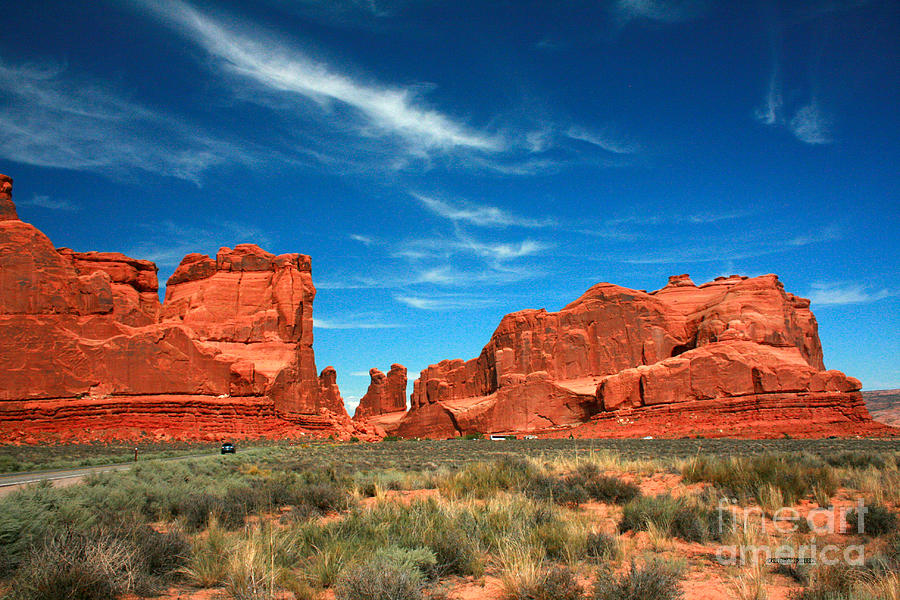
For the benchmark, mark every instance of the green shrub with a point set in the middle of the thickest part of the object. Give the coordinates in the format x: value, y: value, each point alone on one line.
x: 688, y: 519
x: 417, y: 560
x: 196, y: 509
x: 877, y: 520
x: 378, y: 580
x: 611, y: 490
x: 279, y: 490
x: 601, y: 547
x: 326, y: 497
x: 794, y: 475
x: 568, y: 491
x: 558, y: 583
x: 163, y: 553
x: 159, y: 555
x: 206, y: 566
x: 652, y: 581
x: 856, y: 460
x: 833, y: 582
x: 300, y: 514
x: 556, y: 540
x: 455, y: 553
x: 484, y: 480
x: 238, y: 503
x: 78, y: 567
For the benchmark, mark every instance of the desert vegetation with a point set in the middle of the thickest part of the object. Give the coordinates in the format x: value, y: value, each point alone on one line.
x: 465, y: 519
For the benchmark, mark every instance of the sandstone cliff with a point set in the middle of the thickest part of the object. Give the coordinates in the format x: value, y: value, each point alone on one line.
x: 720, y: 353
x: 386, y: 393
x: 85, y: 344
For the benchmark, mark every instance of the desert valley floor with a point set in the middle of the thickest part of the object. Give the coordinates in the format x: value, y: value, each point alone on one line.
x: 463, y: 519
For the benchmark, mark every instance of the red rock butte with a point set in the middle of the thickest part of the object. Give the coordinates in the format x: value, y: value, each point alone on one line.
x: 736, y: 357
x: 87, y: 350
x: 385, y: 401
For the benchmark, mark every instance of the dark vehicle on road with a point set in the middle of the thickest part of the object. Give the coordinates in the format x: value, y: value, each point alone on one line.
x: 227, y: 448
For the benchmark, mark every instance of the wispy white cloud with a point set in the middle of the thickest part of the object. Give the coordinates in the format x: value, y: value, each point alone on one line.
x: 43, y: 201
x: 503, y: 251
x: 454, y: 277
x: 444, y: 301
x: 362, y: 239
x: 697, y: 218
x: 51, y: 117
x: 606, y: 139
x: 480, y: 215
x: 380, y: 110
x: 665, y: 11
x: 418, y: 249
x: 444, y: 275
x: 826, y: 234
x: 633, y: 227
x: 812, y: 125
x: 830, y: 293
x: 539, y: 140
x: 352, y: 122
x: 358, y: 282
x: 772, y: 110
x: 359, y: 374
x: 353, y: 324
x: 735, y: 249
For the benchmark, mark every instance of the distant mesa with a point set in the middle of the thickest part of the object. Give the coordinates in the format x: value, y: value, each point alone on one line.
x: 87, y: 351
x: 884, y: 406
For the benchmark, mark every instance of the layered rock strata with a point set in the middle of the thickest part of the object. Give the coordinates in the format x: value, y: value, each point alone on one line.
x: 85, y: 343
x: 724, y: 351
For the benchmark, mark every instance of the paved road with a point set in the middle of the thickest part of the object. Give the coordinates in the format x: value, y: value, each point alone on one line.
x: 14, y: 481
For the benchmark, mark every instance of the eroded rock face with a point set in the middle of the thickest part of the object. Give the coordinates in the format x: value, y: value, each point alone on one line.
x: 386, y: 393
x: 7, y: 208
x: 254, y: 310
x: 83, y: 334
x: 617, y: 349
x: 133, y: 283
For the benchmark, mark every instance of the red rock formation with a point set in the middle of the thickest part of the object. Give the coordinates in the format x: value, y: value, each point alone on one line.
x: 134, y: 286
x: 7, y: 208
x: 386, y: 393
x: 83, y: 335
x: 734, y: 342
x: 329, y: 392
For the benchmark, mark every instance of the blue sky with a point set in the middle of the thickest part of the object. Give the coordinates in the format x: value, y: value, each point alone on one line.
x: 445, y: 162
